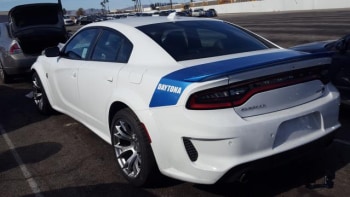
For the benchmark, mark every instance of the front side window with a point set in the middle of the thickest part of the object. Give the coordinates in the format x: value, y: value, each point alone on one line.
x: 79, y: 46
x: 187, y: 40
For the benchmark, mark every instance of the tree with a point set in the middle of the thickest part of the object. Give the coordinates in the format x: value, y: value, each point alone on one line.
x: 80, y: 12
x: 103, y: 4
x: 153, y: 6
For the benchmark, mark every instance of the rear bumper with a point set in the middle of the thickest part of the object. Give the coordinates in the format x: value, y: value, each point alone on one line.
x: 306, y: 151
x: 18, y: 64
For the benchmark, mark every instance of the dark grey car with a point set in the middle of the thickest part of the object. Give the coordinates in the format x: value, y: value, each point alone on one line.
x: 340, y: 69
x: 31, y: 28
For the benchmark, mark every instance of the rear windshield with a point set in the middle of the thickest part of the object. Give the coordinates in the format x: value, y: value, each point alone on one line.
x: 34, y: 16
x: 200, y: 39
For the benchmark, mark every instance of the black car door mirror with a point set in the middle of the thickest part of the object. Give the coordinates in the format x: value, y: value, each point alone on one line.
x: 342, y: 45
x: 52, y: 52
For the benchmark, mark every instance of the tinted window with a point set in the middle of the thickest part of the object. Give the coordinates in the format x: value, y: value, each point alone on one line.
x: 200, y: 39
x: 112, y: 46
x: 125, y: 51
x: 79, y: 46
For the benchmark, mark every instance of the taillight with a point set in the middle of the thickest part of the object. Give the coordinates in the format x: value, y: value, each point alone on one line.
x: 15, y: 48
x: 236, y: 94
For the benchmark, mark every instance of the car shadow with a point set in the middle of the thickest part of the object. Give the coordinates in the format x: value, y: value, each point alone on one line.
x: 17, y: 109
x: 28, y: 154
x: 111, y: 189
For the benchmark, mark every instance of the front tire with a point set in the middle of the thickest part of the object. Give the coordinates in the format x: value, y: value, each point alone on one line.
x: 132, y: 148
x: 39, y: 96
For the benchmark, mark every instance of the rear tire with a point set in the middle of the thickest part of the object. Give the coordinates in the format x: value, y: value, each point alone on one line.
x: 132, y: 149
x: 39, y: 96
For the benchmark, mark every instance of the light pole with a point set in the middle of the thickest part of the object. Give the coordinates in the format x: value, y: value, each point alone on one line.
x: 138, y: 5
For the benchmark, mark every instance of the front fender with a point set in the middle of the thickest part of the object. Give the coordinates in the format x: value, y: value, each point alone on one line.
x: 43, y: 75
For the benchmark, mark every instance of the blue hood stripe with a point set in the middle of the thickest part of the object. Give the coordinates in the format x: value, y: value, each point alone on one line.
x: 171, y: 86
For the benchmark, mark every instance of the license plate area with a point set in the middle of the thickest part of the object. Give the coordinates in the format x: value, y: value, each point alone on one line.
x: 297, y: 128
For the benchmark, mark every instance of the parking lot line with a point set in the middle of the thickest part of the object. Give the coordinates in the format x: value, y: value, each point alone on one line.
x: 27, y: 175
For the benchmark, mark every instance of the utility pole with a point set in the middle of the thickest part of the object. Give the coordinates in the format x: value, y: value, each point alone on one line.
x: 171, y: 4
x: 138, y: 6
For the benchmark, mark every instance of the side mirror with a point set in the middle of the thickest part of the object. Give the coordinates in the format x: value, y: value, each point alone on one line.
x: 342, y: 45
x: 52, y: 52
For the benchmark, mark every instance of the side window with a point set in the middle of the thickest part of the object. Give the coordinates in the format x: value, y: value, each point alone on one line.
x: 125, y: 51
x: 112, y: 47
x: 79, y: 46
x: 107, y: 47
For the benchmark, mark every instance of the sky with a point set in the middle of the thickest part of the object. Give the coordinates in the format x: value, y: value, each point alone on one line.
x: 6, y: 5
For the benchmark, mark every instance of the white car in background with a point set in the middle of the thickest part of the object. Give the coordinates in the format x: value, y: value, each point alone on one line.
x: 198, y: 12
x: 68, y: 21
x: 193, y: 98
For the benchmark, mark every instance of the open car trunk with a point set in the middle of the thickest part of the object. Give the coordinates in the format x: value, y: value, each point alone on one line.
x: 37, y: 26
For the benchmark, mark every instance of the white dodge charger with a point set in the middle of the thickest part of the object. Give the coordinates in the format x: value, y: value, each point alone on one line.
x: 195, y: 99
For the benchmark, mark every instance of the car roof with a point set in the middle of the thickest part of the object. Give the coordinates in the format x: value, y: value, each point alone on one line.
x: 135, y: 21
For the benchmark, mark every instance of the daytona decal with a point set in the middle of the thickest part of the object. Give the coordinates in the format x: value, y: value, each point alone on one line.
x: 167, y: 92
x: 169, y: 88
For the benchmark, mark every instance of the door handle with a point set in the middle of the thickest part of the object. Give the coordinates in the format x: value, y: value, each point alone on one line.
x: 109, y: 79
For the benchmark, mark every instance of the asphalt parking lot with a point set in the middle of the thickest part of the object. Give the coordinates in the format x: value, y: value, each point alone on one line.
x: 57, y: 156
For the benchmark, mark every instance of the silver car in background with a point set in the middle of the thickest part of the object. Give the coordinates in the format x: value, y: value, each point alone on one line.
x: 12, y: 59
x: 31, y: 28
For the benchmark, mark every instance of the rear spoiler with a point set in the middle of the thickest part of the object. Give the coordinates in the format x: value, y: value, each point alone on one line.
x: 215, y: 70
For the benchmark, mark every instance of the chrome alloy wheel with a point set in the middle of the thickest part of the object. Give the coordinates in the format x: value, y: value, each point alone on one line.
x: 37, y: 93
x: 127, y: 149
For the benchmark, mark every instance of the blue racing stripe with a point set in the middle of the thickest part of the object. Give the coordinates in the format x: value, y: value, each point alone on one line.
x: 214, y: 70
x: 171, y: 86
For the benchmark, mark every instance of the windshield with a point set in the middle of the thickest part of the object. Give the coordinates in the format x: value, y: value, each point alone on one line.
x: 200, y: 39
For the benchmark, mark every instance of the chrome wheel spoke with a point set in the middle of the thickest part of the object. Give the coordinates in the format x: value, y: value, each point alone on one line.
x: 130, y: 162
x: 122, y: 132
x: 123, y: 150
x: 132, y: 165
x: 137, y: 164
x: 37, y: 93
